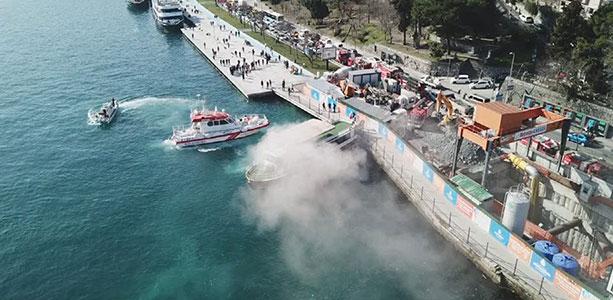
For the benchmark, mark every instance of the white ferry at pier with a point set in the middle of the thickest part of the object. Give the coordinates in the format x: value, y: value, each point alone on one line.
x: 168, y: 13
x: 210, y: 127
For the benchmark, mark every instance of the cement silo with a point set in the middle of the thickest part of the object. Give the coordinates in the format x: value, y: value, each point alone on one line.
x: 516, y: 208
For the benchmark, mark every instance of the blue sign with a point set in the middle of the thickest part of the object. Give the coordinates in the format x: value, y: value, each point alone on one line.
x: 499, y: 233
x: 427, y: 171
x: 315, y: 95
x: 331, y: 100
x: 382, y: 130
x: 399, y: 145
x: 542, y: 266
x: 451, y: 194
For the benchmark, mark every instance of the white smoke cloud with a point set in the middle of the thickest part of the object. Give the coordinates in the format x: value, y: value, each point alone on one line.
x: 332, y: 211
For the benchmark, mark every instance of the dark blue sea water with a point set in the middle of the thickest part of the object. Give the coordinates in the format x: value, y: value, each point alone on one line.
x: 90, y: 213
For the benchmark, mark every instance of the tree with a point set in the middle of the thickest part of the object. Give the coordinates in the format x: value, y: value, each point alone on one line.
x: 532, y: 8
x: 447, y: 20
x: 421, y: 13
x: 318, y: 9
x: 403, y: 9
x: 386, y: 19
x: 436, y: 50
x: 602, y: 26
x: 569, y: 26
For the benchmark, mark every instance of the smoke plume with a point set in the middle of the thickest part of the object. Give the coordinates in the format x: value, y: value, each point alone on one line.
x: 337, y: 217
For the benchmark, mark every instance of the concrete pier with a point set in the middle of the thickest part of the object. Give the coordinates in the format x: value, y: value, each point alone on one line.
x: 218, y: 41
x: 209, y: 35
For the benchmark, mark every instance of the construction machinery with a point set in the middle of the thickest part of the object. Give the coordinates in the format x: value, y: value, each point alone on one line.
x: 497, y: 124
x: 443, y: 100
x: 347, y: 88
x: 583, y: 163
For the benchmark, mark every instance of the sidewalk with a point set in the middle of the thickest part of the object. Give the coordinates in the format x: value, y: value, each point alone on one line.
x: 208, y: 37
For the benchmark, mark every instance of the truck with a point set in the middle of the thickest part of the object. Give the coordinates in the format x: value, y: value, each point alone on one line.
x: 583, y: 163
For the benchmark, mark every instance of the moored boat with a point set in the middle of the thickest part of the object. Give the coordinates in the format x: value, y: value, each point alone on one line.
x: 105, y: 115
x: 137, y: 2
x: 208, y: 127
x: 167, y: 13
x: 270, y: 168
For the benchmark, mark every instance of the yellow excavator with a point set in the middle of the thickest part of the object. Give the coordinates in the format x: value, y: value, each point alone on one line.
x: 449, y: 116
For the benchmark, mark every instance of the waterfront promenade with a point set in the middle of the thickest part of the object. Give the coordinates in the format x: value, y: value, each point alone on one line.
x: 224, y: 47
x: 469, y: 237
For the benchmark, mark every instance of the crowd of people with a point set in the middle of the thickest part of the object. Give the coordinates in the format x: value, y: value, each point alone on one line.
x: 245, y: 60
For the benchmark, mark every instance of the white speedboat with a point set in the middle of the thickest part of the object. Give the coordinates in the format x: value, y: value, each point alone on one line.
x: 105, y: 115
x: 168, y: 13
x: 210, y: 127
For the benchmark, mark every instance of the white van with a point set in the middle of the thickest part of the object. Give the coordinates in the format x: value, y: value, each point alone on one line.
x: 461, y: 79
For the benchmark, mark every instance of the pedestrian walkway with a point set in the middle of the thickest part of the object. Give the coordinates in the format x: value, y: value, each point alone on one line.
x: 257, y: 69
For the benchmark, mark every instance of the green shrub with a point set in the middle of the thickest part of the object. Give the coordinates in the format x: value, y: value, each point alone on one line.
x: 532, y: 8
x: 436, y: 50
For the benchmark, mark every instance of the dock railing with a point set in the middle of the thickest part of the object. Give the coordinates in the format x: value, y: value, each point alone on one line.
x: 308, y: 104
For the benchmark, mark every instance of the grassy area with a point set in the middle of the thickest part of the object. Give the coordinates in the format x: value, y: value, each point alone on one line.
x: 210, y: 5
x: 316, y: 65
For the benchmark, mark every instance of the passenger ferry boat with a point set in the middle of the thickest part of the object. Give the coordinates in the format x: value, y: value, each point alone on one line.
x: 210, y: 127
x: 168, y: 13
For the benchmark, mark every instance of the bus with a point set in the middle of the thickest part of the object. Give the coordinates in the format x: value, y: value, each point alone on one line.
x: 274, y: 15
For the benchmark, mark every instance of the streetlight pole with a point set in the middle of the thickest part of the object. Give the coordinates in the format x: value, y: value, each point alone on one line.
x: 508, y: 91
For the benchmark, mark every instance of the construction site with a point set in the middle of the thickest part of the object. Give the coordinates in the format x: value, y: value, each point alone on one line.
x: 493, y: 151
x: 529, y: 175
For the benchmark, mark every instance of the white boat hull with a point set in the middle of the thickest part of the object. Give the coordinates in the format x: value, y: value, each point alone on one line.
x: 225, y: 137
x: 94, y: 117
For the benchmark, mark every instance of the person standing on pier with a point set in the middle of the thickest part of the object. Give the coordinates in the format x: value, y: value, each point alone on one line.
x: 283, y: 85
x: 262, y: 83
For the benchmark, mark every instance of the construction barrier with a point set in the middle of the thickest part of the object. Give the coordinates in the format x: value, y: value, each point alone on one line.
x: 403, y: 161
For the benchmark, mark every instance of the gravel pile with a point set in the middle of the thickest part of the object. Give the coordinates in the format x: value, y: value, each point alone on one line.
x: 440, y: 142
x: 442, y: 146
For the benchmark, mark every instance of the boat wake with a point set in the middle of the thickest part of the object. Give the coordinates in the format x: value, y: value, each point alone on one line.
x: 205, y: 150
x: 146, y: 101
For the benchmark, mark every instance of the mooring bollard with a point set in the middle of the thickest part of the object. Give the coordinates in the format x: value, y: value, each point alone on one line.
x: 541, y: 286
x: 449, y: 219
x: 433, y: 202
x: 468, y: 236
x: 515, y: 266
x: 486, y: 248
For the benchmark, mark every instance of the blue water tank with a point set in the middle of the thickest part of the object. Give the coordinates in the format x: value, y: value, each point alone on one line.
x: 546, y: 248
x: 567, y: 263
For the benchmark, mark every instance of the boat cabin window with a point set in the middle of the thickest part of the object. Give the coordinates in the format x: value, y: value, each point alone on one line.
x: 210, y: 123
x: 223, y: 122
x: 216, y: 123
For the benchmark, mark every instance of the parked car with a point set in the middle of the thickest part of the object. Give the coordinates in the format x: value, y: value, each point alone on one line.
x: 580, y: 138
x: 431, y: 81
x: 461, y: 79
x: 482, y: 84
